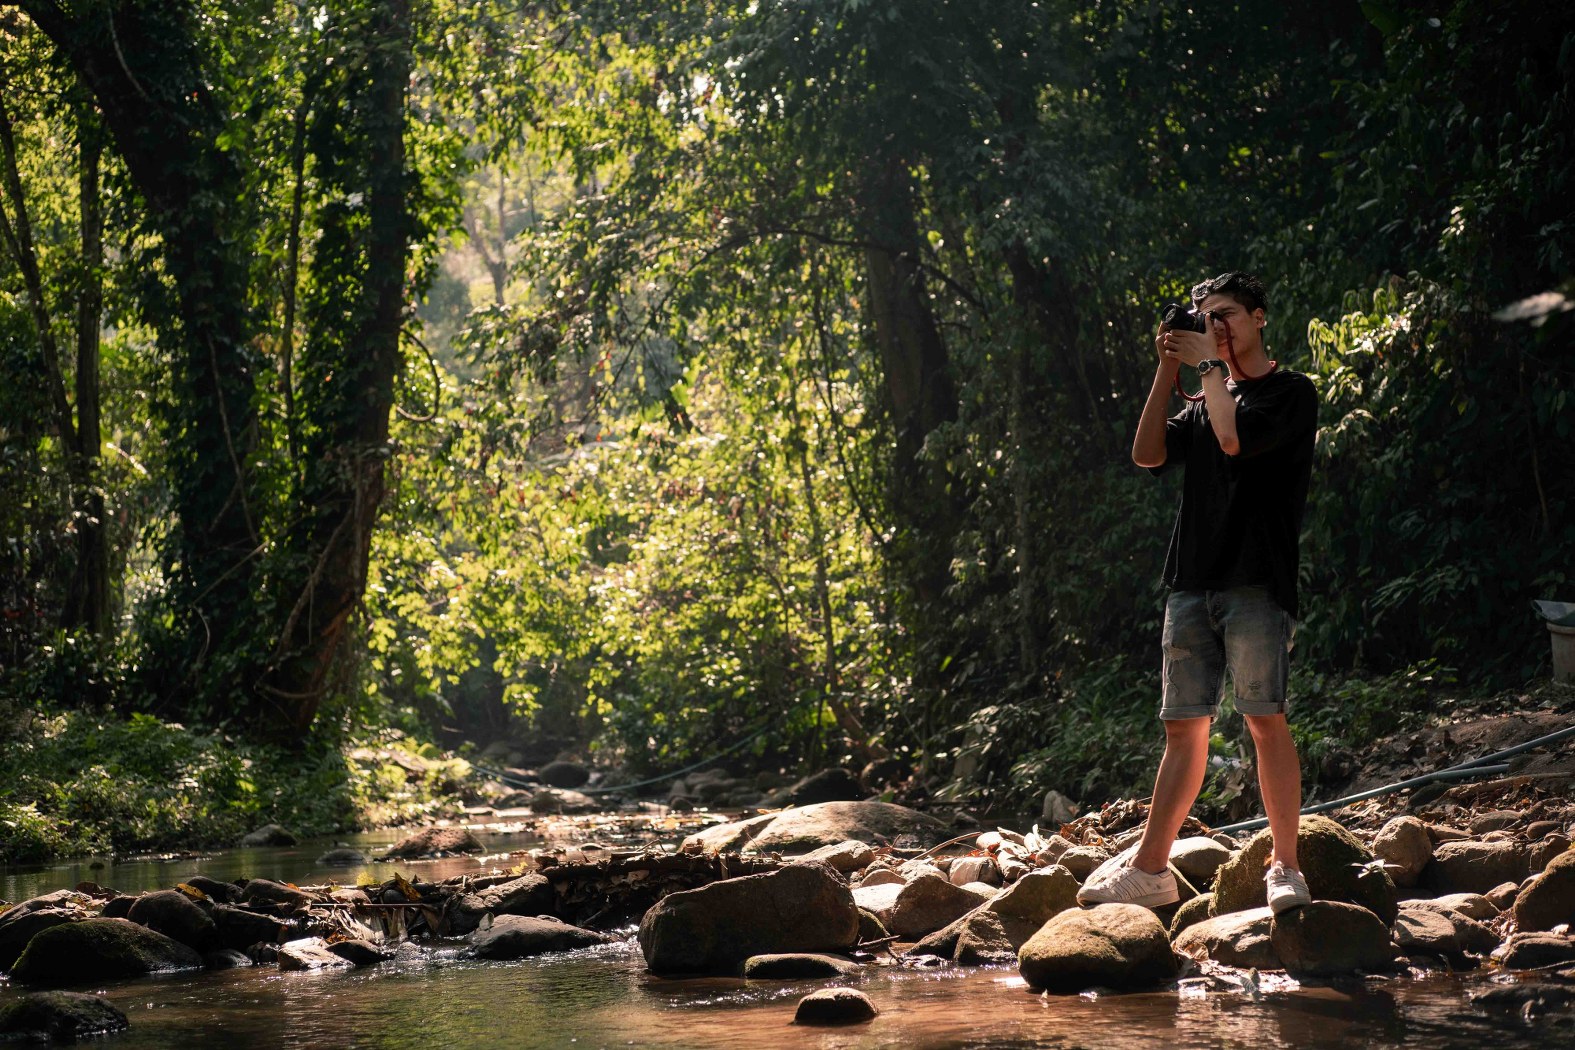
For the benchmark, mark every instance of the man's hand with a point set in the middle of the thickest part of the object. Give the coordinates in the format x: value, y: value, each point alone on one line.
x: 1167, y: 363
x: 1188, y: 348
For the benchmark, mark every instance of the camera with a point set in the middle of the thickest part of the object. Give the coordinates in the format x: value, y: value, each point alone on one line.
x: 1180, y: 318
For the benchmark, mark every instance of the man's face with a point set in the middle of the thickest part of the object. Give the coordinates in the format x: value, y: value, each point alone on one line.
x: 1246, y: 327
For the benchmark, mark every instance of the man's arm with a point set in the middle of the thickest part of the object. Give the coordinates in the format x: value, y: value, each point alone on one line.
x: 1148, y: 447
x: 1193, y: 348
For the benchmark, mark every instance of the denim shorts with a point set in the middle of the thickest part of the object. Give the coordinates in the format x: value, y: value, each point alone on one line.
x: 1243, y: 630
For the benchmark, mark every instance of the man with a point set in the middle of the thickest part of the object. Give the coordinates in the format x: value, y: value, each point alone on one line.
x: 1246, y: 451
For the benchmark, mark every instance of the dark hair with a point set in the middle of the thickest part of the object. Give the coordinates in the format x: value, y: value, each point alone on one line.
x: 1242, y: 287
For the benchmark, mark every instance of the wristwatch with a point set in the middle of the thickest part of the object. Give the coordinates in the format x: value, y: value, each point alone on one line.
x: 1205, y: 367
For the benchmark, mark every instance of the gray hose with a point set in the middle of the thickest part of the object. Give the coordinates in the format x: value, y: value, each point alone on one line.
x: 1461, y: 771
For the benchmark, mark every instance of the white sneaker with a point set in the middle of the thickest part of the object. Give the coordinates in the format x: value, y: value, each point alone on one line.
x: 1117, y: 882
x: 1286, y: 887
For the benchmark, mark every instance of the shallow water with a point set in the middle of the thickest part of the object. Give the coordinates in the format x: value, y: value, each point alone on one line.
x: 603, y: 997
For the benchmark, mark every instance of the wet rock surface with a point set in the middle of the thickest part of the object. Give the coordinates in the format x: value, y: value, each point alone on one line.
x: 94, y: 949
x: 519, y: 936
x: 61, y: 1017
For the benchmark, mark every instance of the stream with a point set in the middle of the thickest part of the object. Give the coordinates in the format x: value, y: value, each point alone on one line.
x: 603, y: 997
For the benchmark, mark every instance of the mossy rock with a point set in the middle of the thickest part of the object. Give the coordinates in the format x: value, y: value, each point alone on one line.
x: 1337, y: 868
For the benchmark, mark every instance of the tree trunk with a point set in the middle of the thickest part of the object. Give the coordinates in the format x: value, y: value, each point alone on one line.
x: 91, y: 587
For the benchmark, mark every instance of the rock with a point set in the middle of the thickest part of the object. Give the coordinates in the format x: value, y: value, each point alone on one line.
x: 794, y: 965
x: 870, y: 927
x: 924, y: 905
x: 267, y: 835
x: 225, y: 959
x: 1082, y: 860
x: 117, y: 907
x: 518, y: 936
x: 713, y: 929
x: 564, y: 774
x: 1440, y: 833
x: 994, y: 931
x: 1335, y: 864
x: 1503, y: 895
x: 1528, y: 999
x: 1198, y: 858
x: 1238, y: 938
x: 1189, y: 914
x: 810, y: 827
x: 1471, y: 866
x: 834, y: 1006
x: 1471, y: 905
x: 1110, y: 945
x: 880, y: 877
x: 218, y: 892
x: 562, y: 800
x: 851, y: 855
x: 343, y: 857
x: 530, y: 894
x: 1439, y: 931
x: 1546, y: 851
x: 1057, y: 809
x: 175, y: 915
x: 240, y: 928
x: 61, y: 1017
x: 1498, y: 820
x: 1528, y: 951
x: 21, y: 922
x: 95, y: 949
x: 982, y: 939
x: 730, y: 837
x: 1326, y: 938
x: 1550, y: 898
x: 310, y: 953
x: 974, y: 869
x: 430, y: 841
x: 360, y: 953
x: 277, y: 896
x: 878, y: 899
x: 1405, y: 847
x: 829, y: 785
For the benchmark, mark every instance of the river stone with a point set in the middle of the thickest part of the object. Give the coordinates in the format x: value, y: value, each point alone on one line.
x: 562, y: 800
x: 117, y: 907
x: 225, y: 959
x: 95, y: 949
x: 1335, y: 864
x: 793, y: 965
x: 924, y: 905
x: 1082, y: 861
x: 974, y: 869
x: 1326, y: 938
x: 870, y: 927
x: 727, y: 837
x: 1472, y: 866
x: 1528, y: 951
x: 1110, y: 945
x: 878, y: 899
x: 834, y: 1006
x: 310, y: 953
x: 848, y: 856
x: 1440, y: 931
x: 216, y: 891
x: 20, y: 922
x: 1549, y: 900
x: 1405, y: 847
x: 1190, y: 913
x: 361, y: 953
x: 1503, y: 896
x: 1471, y: 905
x: 517, y: 936
x: 881, y: 877
x: 713, y: 929
x: 275, y: 896
x: 1497, y: 820
x: 1198, y: 858
x: 1238, y: 938
x: 530, y: 894
x: 994, y: 931
x: 563, y: 774
x: 267, y: 835
x: 430, y: 841
x: 175, y: 915
x: 343, y: 857
x: 241, y: 928
x: 1545, y: 851
x: 61, y: 1017
x: 810, y: 827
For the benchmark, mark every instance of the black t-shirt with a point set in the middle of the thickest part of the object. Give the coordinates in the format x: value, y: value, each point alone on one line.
x: 1241, y: 516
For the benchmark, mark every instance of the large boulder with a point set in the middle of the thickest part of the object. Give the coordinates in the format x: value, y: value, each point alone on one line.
x: 1111, y: 945
x: 96, y: 949
x: 1472, y: 866
x: 1405, y: 847
x: 730, y: 837
x: 1335, y: 864
x: 431, y: 841
x: 177, y: 916
x: 517, y: 936
x: 1238, y: 938
x: 1549, y: 899
x: 59, y: 1017
x: 806, y: 828
x: 1327, y: 938
x: 713, y: 929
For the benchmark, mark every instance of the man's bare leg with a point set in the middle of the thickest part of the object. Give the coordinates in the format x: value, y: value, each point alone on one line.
x: 1280, y: 780
x: 1175, y: 789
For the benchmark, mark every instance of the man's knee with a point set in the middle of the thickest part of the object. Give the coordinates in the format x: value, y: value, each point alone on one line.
x: 1186, y: 730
